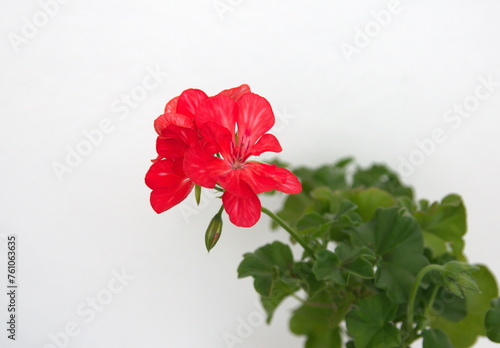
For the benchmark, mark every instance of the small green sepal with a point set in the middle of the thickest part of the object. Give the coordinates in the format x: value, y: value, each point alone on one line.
x: 197, y: 194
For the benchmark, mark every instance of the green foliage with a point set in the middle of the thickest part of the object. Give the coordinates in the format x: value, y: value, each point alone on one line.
x: 444, y: 225
x: 397, y: 241
x: 464, y: 333
x: 370, y: 323
x: 492, y: 321
x: 270, y: 266
x: 436, y: 339
x: 391, y: 268
x: 317, y: 321
x: 339, y: 265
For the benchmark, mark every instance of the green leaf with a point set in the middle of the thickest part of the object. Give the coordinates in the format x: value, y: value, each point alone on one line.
x: 345, y: 261
x: 310, y: 321
x: 319, y: 321
x: 369, y: 200
x: 326, y: 200
x: 382, y: 177
x: 294, y: 208
x: 492, y: 321
x: 370, y: 323
x: 332, y: 176
x: 313, y: 224
x: 443, y: 225
x: 464, y: 333
x: 436, y: 339
x: 303, y: 271
x: 449, y: 306
x: 270, y: 266
x: 397, y: 242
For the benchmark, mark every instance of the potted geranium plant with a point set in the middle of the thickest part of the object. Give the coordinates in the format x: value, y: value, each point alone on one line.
x: 378, y: 268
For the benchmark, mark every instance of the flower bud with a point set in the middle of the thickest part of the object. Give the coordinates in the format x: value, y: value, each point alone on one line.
x: 214, y: 230
x: 458, y: 277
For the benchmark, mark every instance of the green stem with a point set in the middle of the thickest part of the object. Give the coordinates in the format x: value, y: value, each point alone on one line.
x: 434, y: 293
x: 290, y: 230
x: 413, y: 294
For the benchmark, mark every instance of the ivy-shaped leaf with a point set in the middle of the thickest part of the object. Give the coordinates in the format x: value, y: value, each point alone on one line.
x: 303, y: 271
x: 444, y: 225
x: 345, y: 261
x: 319, y: 320
x: 271, y: 267
x: 313, y: 224
x: 313, y: 323
x: 369, y: 200
x: 370, y: 323
x: 382, y: 177
x: 397, y: 242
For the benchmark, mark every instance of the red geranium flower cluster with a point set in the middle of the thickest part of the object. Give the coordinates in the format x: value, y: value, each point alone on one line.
x: 207, y: 141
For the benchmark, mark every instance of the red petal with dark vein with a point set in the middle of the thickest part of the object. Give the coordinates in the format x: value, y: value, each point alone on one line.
x: 254, y: 117
x: 238, y: 180
x: 220, y: 137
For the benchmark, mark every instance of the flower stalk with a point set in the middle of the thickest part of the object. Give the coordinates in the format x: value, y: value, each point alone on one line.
x: 291, y: 231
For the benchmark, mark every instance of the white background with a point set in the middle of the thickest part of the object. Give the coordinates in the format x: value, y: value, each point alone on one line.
x: 68, y: 72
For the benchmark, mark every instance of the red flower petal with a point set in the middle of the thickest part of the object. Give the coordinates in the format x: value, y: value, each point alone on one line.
x: 238, y: 180
x: 220, y: 137
x: 167, y: 119
x: 164, y: 199
x: 254, y: 117
x: 243, y: 211
x: 189, y: 101
x: 203, y: 168
x: 263, y: 177
x: 267, y: 142
x: 219, y: 110
x: 162, y: 174
x: 169, y: 188
x: 171, y: 105
x: 170, y: 148
x: 260, y: 176
x: 186, y: 135
x: 291, y: 185
x: 236, y: 92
